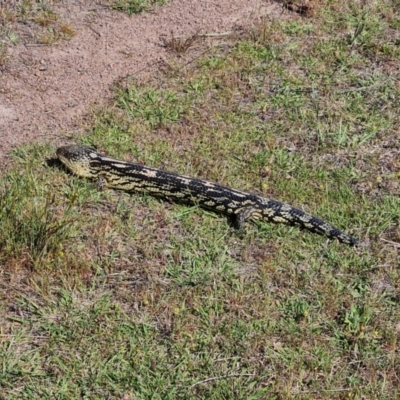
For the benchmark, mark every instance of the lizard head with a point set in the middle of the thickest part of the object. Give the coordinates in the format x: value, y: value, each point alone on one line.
x: 80, y: 160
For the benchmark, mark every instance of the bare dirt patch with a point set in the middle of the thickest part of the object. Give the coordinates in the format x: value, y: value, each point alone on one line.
x: 46, y: 91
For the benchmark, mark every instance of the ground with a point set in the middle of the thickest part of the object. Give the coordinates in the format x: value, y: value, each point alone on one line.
x: 47, y: 90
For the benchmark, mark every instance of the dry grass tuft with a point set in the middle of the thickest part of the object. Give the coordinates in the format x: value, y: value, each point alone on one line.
x: 179, y: 44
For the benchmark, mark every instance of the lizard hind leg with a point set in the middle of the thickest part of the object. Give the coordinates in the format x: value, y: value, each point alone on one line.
x: 101, y: 183
x: 245, y: 214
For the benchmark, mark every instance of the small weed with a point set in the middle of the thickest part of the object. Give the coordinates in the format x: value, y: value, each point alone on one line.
x: 7, y: 14
x: 13, y: 37
x: 136, y: 6
x: 3, y: 54
x: 296, y: 309
x: 356, y: 319
x: 53, y: 35
x: 48, y: 37
x: 45, y: 18
x: 180, y: 45
x: 66, y: 31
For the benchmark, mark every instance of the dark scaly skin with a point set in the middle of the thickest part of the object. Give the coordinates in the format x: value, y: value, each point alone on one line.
x: 116, y: 174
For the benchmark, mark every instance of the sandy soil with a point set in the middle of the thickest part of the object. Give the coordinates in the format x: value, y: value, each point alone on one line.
x: 45, y: 91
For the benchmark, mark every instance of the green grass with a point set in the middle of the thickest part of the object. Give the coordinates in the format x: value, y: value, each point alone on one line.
x: 111, y: 295
x: 135, y: 6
